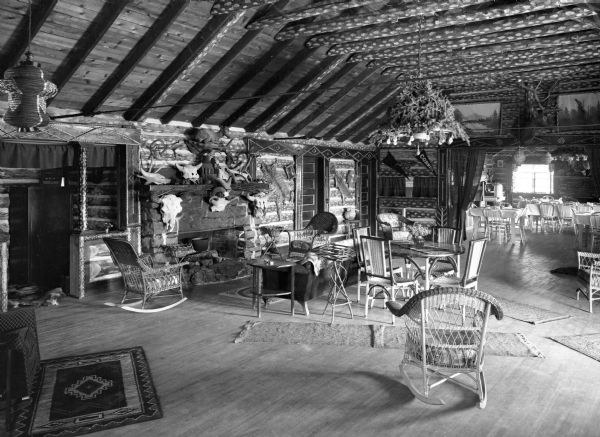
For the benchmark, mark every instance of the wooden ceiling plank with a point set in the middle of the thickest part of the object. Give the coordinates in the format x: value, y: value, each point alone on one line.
x: 340, y: 94
x: 495, y: 62
x: 506, y: 38
x: 471, y: 31
x: 312, y: 97
x: 16, y: 45
x: 384, y: 15
x: 381, y: 98
x: 220, y: 65
x: 153, y: 34
x: 270, y: 84
x: 242, y: 80
x: 228, y: 6
x: 537, y: 47
x: 92, y: 36
x: 369, y: 124
x: 409, y: 25
x: 204, y: 39
x: 308, y: 11
x: 309, y: 81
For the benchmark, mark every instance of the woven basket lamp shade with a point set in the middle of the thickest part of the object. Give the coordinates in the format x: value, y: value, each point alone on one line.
x: 27, y: 93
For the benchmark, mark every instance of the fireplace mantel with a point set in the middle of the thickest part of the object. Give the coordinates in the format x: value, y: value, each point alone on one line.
x: 202, y: 190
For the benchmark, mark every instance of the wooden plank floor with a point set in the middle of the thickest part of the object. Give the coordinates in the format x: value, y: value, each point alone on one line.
x: 209, y: 386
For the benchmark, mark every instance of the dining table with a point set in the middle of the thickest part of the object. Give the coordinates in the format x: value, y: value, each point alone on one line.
x: 430, y: 252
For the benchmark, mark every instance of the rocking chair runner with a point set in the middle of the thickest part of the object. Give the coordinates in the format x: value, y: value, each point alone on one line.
x: 446, y: 335
x: 139, y: 274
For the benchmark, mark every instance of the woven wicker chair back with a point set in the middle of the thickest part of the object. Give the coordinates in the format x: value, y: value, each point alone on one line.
x: 324, y: 221
x: 122, y: 252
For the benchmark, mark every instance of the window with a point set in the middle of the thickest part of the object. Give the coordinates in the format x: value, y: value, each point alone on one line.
x: 533, y: 178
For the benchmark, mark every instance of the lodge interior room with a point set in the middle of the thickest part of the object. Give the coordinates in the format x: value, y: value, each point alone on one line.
x: 299, y: 218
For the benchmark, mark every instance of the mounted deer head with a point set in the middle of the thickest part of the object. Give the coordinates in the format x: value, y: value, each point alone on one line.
x: 537, y: 110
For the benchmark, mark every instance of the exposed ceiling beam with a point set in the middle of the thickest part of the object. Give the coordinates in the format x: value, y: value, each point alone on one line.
x: 308, y: 82
x: 381, y: 98
x: 205, y: 39
x: 91, y: 37
x: 483, y: 31
x: 242, y: 80
x: 270, y: 84
x: 227, y: 6
x: 533, y: 46
x: 324, y: 7
x: 152, y: 35
x: 504, y: 38
x: 340, y: 94
x: 17, y: 44
x: 220, y: 65
x: 508, y: 60
x: 361, y: 135
x: 383, y: 15
x: 312, y: 97
x: 369, y: 124
x: 455, y: 18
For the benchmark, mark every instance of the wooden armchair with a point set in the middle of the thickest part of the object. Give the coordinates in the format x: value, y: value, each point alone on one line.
x: 141, y: 277
x: 316, y: 233
x: 588, y: 276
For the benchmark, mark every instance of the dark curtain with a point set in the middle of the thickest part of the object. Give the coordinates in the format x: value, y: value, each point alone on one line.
x: 594, y: 158
x: 47, y: 156
x: 466, y: 166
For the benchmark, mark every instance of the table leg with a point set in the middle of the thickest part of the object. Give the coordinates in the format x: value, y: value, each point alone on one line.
x: 292, y: 287
x: 259, y: 280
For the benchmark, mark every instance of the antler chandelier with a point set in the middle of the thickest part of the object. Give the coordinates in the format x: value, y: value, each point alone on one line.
x: 419, y: 114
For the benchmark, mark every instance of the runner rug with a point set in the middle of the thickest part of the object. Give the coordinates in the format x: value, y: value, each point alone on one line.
x: 88, y: 393
x: 376, y: 336
x: 529, y: 313
x: 587, y: 344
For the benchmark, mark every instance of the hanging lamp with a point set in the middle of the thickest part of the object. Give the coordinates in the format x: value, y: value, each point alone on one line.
x: 27, y: 92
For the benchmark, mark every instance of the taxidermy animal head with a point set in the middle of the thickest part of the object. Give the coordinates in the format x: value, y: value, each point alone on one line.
x: 170, y: 208
x: 189, y: 172
x: 153, y: 178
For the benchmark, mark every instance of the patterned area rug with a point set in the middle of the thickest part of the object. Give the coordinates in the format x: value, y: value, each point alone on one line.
x: 246, y: 293
x: 587, y: 344
x: 88, y: 393
x: 376, y: 336
x: 529, y: 313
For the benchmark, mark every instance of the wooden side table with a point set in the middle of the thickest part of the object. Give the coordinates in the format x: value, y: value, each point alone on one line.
x: 258, y: 265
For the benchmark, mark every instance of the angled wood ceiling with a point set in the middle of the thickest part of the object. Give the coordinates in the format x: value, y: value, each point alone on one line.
x: 323, y: 69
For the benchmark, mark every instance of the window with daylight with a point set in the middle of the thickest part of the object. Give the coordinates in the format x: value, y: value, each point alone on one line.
x: 533, y: 178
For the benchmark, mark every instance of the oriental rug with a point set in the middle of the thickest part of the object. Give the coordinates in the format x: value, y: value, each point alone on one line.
x: 88, y: 393
x: 375, y: 336
x: 529, y: 313
x: 587, y: 344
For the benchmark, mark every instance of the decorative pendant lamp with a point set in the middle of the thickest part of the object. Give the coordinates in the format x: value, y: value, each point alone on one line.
x: 27, y: 92
x: 419, y: 114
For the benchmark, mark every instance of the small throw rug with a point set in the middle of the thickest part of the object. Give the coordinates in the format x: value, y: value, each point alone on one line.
x: 529, y: 313
x: 88, y: 393
x: 376, y: 336
x: 587, y: 344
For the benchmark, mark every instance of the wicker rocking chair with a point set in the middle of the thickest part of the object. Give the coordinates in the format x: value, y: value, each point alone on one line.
x: 446, y: 335
x: 141, y: 277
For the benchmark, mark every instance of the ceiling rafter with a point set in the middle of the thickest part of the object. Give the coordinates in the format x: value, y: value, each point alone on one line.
x: 369, y: 124
x: 381, y: 98
x: 152, y: 35
x: 220, y: 65
x: 384, y: 15
x: 17, y: 43
x: 534, y: 46
x: 242, y: 80
x: 270, y: 84
x: 91, y: 37
x: 496, y: 38
x: 309, y: 81
x: 340, y: 94
x: 497, y: 62
x: 308, y: 11
x: 311, y: 98
x: 481, y: 30
x: 205, y: 39
x: 408, y: 25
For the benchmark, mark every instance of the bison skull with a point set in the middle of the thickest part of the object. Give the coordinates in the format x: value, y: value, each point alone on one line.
x: 189, y: 172
x: 170, y: 207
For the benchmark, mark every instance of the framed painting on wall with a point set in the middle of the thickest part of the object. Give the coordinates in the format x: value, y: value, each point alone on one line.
x: 479, y: 118
x: 579, y: 111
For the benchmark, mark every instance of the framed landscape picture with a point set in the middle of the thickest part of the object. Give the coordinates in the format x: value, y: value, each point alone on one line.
x: 579, y: 111
x: 479, y: 118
